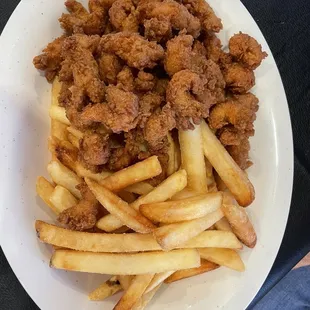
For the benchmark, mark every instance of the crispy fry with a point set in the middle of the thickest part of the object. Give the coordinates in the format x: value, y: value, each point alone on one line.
x: 105, y: 290
x: 193, y: 159
x: 239, y: 221
x: 120, y: 209
x: 59, y: 114
x: 124, y: 243
x: 164, y: 191
x: 146, y: 298
x: 134, y: 292
x: 44, y: 190
x: 171, y: 168
x: 223, y: 225
x: 183, y: 194
x: 73, y: 140
x: 158, y: 279
x: 82, y: 172
x: 234, y: 178
x: 138, y: 172
x: 125, y: 264
x: 75, y: 132
x: 174, y: 235
x: 224, y: 257
x: 62, y: 199
x: 141, y: 188
x: 56, y: 86
x: 63, y: 176
x: 205, y: 266
x: 182, y: 210
x: 125, y: 281
x: 59, y: 130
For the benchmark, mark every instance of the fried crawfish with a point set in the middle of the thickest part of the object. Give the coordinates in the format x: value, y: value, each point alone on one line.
x: 84, y: 215
x: 79, y: 20
x: 239, y: 79
x: 165, y: 16
x: 123, y: 16
x: 109, y: 67
x: 50, y: 59
x: 132, y: 48
x: 246, y: 50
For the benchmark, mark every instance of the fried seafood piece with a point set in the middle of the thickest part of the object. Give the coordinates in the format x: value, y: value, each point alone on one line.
x: 246, y: 50
x: 94, y: 149
x: 84, y: 215
x: 161, y: 17
x: 214, y: 50
x: 79, y: 20
x: 229, y: 135
x: 128, y: 154
x: 191, y: 95
x: 240, y: 153
x: 132, y: 48
x: 238, y: 78
x: 145, y: 81
x: 123, y: 16
x: 161, y: 86
x: 50, y: 59
x: 78, y: 51
x: 126, y: 80
x: 64, y: 98
x: 239, y: 111
x: 118, y: 114
x: 109, y: 67
x: 182, y: 53
x: 201, y: 9
x: 148, y: 102
x: 215, y: 82
x: 157, y: 127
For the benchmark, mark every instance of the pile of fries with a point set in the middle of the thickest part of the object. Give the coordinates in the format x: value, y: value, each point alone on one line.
x: 191, y: 223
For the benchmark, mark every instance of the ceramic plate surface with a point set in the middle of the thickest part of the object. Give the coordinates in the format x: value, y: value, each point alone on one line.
x: 24, y: 128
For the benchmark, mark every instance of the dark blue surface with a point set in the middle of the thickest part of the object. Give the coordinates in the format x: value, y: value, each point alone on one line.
x: 286, y: 26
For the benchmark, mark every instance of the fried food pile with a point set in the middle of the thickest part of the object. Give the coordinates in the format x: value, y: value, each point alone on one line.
x: 131, y: 71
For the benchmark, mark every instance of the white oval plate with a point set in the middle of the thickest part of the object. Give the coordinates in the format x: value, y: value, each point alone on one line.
x: 25, y: 97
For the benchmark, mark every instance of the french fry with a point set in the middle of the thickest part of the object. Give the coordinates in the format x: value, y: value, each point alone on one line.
x: 56, y: 86
x: 164, y: 191
x: 59, y: 114
x: 231, y: 174
x: 105, y: 290
x: 64, y: 152
x: 125, y: 281
x: 44, y: 190
x: 239, y: 221
x: 205, y: 266
x: 171, y: 154
x: 224, y: 257
x: 223, y: 225
x: 182, y: 210
x: 138, y: 172
x: 63, y: 176
x: 193, y: 159
x: 177, y: 155
x: 82, y: 172
x: 174, y: 235
x: 59, y: 130
x: 120, y: 209
x: 125, y: 264
x: 157, y: 280
x: 146, y: 298
x: 183, y: 194
x: 141, y: 188
x: 62, y: 199
x: 73, y: 140
x: 125, y: 243
x: 134, y: 292
x: 75, y: 132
